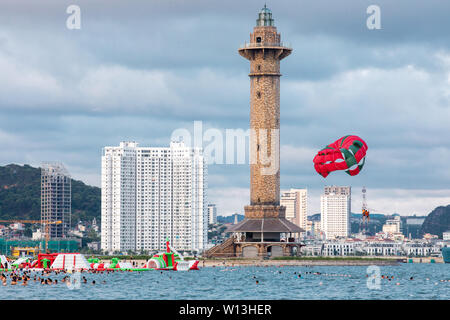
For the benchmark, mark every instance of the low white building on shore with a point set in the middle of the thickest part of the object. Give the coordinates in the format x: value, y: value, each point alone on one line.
x: 371, y: 247
x: 338, y: 249
x: 446, y: 235
x: 385, y: 248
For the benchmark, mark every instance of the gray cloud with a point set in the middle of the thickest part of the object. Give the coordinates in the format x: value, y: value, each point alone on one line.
x: 138, y: 70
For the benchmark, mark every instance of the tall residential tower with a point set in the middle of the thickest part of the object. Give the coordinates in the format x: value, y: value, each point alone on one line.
x: 212, y: 213
x: 56, y: 198
x: 335, y: 210
x: 296, y: 203
x: 150, y: 194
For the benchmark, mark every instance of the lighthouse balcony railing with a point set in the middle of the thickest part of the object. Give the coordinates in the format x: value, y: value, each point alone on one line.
x: 265, y: 44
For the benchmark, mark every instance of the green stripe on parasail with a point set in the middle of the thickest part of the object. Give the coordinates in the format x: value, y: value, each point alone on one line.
x: 349, y: 158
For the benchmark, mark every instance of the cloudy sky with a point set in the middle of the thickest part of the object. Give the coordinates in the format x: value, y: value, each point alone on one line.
x: 138, y: 70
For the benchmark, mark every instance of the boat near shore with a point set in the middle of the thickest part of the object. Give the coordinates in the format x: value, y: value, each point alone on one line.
x: 446, y: 254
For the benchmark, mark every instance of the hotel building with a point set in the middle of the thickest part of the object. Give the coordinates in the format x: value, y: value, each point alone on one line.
x: 393, y: 225
x: 212, y: 213
x: 153, y: 194
x: 296, y: 203
x: 335, y: 208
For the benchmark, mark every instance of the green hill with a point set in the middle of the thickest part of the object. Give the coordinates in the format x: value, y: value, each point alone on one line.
x: 437, y: 222
x: 20, y: 195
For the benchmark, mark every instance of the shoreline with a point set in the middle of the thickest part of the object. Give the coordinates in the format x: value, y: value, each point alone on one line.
x: 206, y: 263
x: 320, y: 261
x: 303, y: 261
x: 298, y: 261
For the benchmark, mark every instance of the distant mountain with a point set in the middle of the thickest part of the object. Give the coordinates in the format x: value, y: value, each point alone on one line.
x: 20, y: 195
x: 437, y: 222
x: 376, y: 216
x: 314, y: 217
x: 375, y: 225
x: 229, y: 219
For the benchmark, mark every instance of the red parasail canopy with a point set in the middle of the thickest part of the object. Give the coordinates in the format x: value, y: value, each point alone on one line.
x: 347, y: 153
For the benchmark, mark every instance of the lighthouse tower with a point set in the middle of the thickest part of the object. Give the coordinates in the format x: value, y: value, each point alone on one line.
x: 264, y: 231
x: 265, y: 51
x: 264, y: 224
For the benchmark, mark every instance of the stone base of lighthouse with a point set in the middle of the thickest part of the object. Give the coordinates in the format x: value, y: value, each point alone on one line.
x: 264, y: 232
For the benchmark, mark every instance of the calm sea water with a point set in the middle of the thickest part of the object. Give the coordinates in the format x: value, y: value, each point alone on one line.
x: 239, y: 283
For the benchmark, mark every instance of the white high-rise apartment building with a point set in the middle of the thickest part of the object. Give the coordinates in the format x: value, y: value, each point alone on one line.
x: 290, y: 201
x: 296, y: 203
x: 151, y: 194
x: 335, y: 208
x: 212, y: 213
